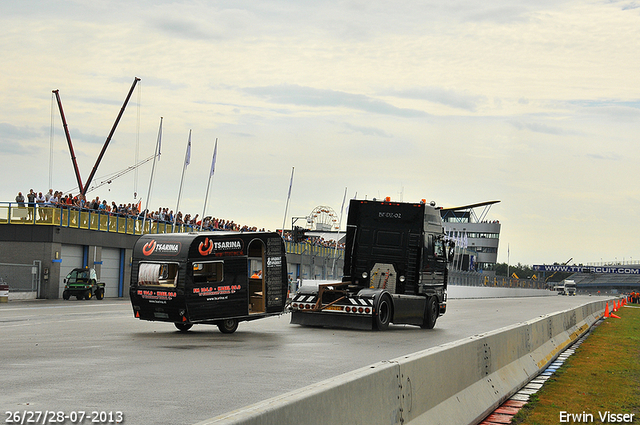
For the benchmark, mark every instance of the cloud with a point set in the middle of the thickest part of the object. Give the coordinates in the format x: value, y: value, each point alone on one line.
x: 78, y: 136
x: 367, y: 131
x: 604, y: 157
x: 11, y: 132
x: 616, y: 110
x: 541, y: 128
x: 241, y: 134
x: 186, y: 28
x: 292, y: 94
x: 439, y: 95
x: 629, y: 5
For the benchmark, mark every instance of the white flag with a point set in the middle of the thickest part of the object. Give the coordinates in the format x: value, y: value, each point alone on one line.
x: 159, y: 138
x: 213, y: 162
x: 187, y: 159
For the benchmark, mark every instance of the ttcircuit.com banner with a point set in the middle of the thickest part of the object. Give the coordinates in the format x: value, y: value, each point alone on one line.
x: 588, y: 269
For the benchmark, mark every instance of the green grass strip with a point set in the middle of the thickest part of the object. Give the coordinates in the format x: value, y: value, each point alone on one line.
x: 599, y: 383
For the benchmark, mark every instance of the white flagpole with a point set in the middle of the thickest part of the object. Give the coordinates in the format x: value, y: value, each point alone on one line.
x: 153, y: 168
x: 335, y: 250
x: 213, y: 169
x: 508, y: 253
x: 187, y: 159
x: 287, y: 205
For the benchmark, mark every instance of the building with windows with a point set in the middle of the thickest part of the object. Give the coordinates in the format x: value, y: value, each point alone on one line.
x: 477, y: 236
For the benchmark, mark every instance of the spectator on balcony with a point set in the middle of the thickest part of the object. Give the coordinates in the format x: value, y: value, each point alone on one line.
x: 20, y: 200
x: 41, y: 201
x: 80, y: 201
x: 54, y: 199
x: 31, y: 198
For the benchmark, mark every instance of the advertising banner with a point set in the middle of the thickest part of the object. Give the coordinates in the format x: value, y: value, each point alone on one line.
x: 588, y: 269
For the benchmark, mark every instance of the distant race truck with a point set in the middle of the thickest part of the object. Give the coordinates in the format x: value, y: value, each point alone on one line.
x: 83, y: 284
x: 569, y: 287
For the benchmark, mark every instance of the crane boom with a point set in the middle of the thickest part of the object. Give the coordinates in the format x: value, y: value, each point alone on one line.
x: 83, y: 190
x: 68, y: 136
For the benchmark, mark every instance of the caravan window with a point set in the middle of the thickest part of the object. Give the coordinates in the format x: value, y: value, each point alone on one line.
x: 204, y: 273
x: 158, y: 274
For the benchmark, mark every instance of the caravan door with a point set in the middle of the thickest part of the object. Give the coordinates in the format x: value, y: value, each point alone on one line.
x: 217, y: 289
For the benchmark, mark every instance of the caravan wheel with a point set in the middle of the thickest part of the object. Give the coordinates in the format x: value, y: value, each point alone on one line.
x: 228, y: 326
x: 183, y: 327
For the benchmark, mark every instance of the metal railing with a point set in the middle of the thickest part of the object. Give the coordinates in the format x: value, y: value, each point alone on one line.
x: 72, y: 217
x: 12, y: 213
x: 314, y: 250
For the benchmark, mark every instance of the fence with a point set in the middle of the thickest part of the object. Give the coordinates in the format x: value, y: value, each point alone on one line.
x: 463, y: 278
x: 21, y: 277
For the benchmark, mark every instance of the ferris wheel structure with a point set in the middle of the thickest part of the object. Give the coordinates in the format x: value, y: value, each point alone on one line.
x: 324, y: 219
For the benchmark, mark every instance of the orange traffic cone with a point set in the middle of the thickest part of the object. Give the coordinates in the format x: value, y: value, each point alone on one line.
x: 606, y: 311
x: 616, y: 306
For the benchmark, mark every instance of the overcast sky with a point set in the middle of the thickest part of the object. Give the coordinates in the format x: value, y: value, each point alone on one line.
x: 534, y: 104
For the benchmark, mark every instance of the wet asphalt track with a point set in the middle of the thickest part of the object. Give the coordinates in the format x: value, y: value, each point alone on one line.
x: 94, y: 356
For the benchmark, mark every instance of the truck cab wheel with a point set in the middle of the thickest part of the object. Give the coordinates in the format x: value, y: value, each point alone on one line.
x: 383, y: 314
x: 66, y: 295
x: 183, y: 327
x: 228, y: 326
x: 430, y: 313
x: 88, y: 295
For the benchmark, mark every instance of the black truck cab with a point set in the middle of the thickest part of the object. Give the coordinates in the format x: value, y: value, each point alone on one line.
x: 395, y: 270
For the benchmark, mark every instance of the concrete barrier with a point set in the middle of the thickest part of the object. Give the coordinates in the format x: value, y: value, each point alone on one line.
x: 22, y: 295
x: 456, y: 383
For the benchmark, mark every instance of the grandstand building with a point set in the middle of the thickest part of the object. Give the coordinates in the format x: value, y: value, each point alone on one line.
x: 474, y: 233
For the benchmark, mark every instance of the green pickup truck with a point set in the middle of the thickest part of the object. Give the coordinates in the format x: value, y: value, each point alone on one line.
x: 83, y: 284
